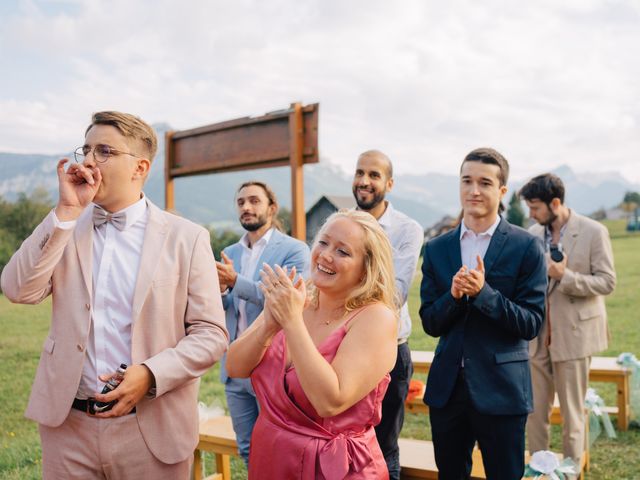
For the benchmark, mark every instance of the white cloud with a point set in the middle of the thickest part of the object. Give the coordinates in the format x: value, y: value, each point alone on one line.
x: 545, y: 83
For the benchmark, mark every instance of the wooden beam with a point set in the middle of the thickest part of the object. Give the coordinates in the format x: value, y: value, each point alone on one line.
x: 243, y: 144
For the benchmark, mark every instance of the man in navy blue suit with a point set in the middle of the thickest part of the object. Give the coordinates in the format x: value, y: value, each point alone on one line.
x: 482, y: 293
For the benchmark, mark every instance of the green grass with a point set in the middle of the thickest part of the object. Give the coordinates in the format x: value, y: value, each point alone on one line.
x: 24, y: 328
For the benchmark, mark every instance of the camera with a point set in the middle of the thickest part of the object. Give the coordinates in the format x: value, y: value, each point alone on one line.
x: 555, y: 252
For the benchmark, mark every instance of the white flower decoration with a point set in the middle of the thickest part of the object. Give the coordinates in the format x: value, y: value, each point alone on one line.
x: 544, y: 461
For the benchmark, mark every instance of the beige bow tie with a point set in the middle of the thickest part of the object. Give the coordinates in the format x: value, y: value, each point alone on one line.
x: 100, y: 216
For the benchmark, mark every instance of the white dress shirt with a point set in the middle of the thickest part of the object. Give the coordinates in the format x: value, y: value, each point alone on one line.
x: 248, y: 264
x: 472, y: 244
x: 115, y: 262
x: 406, y: 238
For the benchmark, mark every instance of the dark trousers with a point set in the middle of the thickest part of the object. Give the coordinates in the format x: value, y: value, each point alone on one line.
x: 388, y: 430
x: 455, y: 429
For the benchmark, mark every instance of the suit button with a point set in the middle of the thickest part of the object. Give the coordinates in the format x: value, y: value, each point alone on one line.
x: 80, y: 348
x: 87, y: 306
x: 574, y: 327
x: 571, y: 300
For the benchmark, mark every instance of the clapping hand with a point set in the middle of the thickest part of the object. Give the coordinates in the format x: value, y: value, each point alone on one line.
x: 226, y: 273
x: 468, y: 282
x: 284, y: 298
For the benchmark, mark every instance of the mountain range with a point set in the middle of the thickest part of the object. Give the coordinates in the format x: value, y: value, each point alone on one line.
x: 208, y: 199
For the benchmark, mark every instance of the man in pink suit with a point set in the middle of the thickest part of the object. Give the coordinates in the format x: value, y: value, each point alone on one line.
x: 130, y: 284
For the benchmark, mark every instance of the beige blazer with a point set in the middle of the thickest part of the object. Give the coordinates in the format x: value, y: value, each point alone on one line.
x: 576, y: 307
x: 178, y: 326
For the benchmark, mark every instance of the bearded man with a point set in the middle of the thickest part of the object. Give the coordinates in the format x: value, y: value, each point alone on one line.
x: 239, y: 274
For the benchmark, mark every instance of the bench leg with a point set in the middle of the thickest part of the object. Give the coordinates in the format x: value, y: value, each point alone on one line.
x: 623, y: 404
x: 197, y: 465
x: 223, y: 466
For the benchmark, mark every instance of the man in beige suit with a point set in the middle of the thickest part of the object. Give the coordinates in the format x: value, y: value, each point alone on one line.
x: 130, y: 284
x: 580, y: 269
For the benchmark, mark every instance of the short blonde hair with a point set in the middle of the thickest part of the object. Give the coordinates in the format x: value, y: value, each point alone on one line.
x: 378, y: 282
x: 129, y: 126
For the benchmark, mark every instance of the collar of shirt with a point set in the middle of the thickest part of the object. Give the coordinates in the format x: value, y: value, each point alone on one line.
x: 386, y: 218
x: 244, y: 240
x: 134, y: 212
x: 548, y: 235
x: 489, y: 231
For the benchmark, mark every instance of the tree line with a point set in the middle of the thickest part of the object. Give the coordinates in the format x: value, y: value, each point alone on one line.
x: 20, y: 217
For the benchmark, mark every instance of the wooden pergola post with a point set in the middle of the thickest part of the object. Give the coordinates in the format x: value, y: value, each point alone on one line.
x: 169, y: 198
x: 296, y: 131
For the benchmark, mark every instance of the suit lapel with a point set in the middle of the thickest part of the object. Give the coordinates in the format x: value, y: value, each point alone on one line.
x: 570, y: 235
x: 272, y: 245
x: 155, y: 238
x: 236, y: 257
x: 498, y: 240
x: 83, y: 236
x: 455, y: 254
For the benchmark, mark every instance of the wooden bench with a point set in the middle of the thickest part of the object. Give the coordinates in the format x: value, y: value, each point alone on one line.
x: 417, y: 459
x: 216, y: 436
x: 416, y: 405
x: 418, y: 462
x: 603, y: 369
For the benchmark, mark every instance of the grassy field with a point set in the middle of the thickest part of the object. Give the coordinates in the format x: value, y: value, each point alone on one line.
x: 25, y: 327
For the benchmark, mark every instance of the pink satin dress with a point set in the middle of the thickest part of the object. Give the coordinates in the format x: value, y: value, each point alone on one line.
x: 291, y: 441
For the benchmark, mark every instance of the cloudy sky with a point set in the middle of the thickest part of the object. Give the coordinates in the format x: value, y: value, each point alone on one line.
x: 545, y: 82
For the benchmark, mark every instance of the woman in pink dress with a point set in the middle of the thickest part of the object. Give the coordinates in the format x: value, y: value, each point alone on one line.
x: 319, y: 360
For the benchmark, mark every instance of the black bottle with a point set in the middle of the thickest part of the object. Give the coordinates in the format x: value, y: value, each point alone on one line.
x: 110, y: 385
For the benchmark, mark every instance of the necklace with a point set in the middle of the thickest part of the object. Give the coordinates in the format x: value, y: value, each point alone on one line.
x: 327, y: 322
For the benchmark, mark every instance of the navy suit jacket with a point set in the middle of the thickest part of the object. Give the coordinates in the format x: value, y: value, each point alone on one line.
x: 492, y: 330
x: 282, y: 250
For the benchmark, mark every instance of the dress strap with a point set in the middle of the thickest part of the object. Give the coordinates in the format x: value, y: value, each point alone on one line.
x: 354, y: 314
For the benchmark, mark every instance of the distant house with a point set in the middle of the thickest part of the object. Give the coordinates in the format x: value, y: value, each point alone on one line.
x: 325, y: 206
x: 615, y: 213
x: 443, y: 225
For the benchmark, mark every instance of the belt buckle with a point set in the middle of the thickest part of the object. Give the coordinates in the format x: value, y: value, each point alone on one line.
x: 90, y: 406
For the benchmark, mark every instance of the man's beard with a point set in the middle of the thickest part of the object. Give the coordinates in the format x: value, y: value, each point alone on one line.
x: 377, y: 198
x: 550, y: 219
x: 252, y: 226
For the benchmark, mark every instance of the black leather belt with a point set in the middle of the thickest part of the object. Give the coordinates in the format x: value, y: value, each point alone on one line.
x: 89, y: 406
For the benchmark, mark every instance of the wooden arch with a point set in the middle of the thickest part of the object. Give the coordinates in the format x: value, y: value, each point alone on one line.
x: 276, y: 139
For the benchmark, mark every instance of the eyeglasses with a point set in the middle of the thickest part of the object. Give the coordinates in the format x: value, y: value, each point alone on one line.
x: 101, y: 153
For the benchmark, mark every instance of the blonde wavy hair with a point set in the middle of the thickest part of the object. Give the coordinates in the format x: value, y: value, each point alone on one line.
x: 378, y: 282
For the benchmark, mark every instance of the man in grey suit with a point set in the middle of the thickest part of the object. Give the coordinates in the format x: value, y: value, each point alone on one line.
x: 239, y: 274
x: 581, y: 273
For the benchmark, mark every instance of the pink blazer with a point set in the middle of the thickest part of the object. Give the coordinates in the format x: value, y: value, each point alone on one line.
x: 178, y: 328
